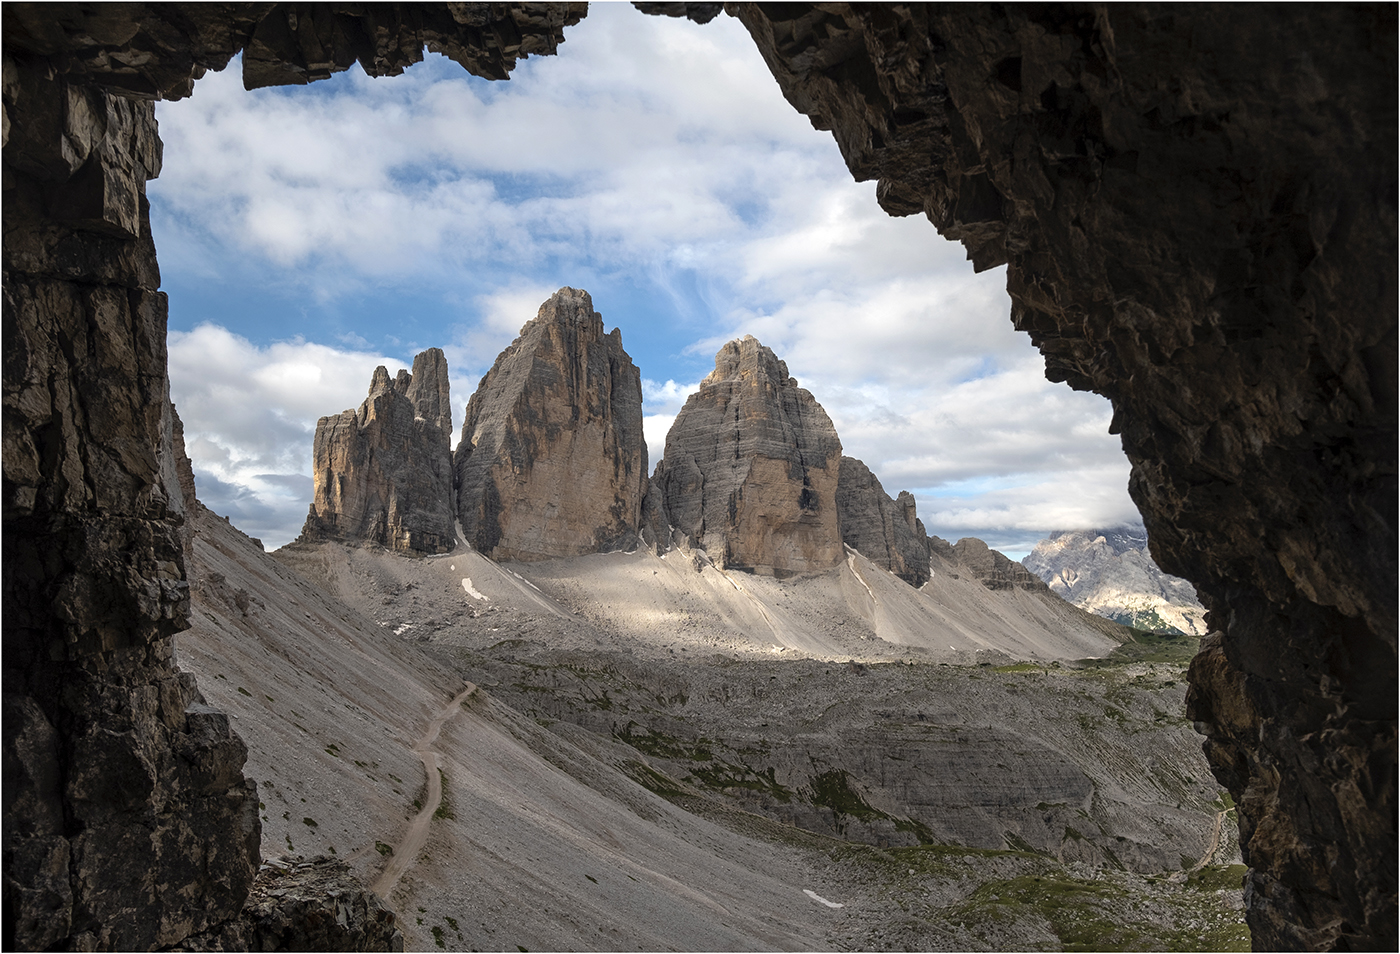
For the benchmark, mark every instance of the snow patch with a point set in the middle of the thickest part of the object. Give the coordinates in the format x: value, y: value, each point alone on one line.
x: 471, y: 590
x: 820, y: 900
x: 400, y: 630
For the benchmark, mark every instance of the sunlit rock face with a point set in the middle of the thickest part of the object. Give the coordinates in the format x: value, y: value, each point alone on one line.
x: 1110, y: 572
x: 751, y: 467
x: 886, y: 530
x: 1196, y: 206
x: 383, y: 472
x: 552, y: 461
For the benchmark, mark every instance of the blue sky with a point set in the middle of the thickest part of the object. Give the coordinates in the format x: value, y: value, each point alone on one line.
x: 308, y: 234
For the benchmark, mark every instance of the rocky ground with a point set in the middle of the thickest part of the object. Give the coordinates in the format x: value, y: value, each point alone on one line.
x: 639, y: 770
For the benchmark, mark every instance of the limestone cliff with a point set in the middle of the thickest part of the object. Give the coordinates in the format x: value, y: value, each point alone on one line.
x: 888, y: 532
x: 384, y: 472
x: 1110, y: 572
x: 552, y: 461
x: 751, y: 468
x: 992, y: 568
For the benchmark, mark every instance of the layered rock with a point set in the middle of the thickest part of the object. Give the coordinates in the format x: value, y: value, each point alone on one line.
x: 383, y: 472
x: 1111, y: 573
x: 313, y: 906
x: 1196, y: 210
x: 128, y: 823
x: 552, y: 461
x: 888, y: 532
x: 992, y: 568
x: 751, y: 468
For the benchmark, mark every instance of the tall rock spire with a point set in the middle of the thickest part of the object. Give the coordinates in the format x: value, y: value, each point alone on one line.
x: 384, y: 472
x: 751, y: 468
x: 552, y: 461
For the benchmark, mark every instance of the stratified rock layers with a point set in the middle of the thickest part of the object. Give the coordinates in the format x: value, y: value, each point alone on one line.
x: 751, y: 468
x: 1110, y: 572
x: 128, y: 823
x: 552, y: 462
x: 384, y: 472
x: 888, y: 532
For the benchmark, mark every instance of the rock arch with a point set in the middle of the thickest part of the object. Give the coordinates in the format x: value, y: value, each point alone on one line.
x: 1197, y: 209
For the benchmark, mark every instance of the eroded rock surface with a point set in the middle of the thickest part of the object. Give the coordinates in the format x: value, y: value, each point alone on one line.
x: 1197, y: 210
x: 992, y: 568
x: 312, y: 906
x: 1110, y: 572
x: 887, y: 531
x: 552, y: 461
x: 751, y: 468
x: 384, y: 472
x: 127, y: 821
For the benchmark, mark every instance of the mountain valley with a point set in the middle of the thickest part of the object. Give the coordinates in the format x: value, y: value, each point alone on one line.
x: 604, y: 788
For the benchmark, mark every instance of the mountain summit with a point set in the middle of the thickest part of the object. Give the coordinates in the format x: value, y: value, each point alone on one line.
x: 1111, y: 573
x: 552, y: 461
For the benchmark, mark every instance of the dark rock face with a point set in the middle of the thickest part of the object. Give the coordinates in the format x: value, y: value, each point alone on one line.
x: 127, y: 821
x: 315, y: 906
x: 552, y: 461
x: 992, y: 568
x: 888, y: 532
x: 1197, y: 210
x: 157, y: 50
x: 384, y: 472
x: 751, y: 467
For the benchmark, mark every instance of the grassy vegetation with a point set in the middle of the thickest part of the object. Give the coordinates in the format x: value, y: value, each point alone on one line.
x: 1143, y: 646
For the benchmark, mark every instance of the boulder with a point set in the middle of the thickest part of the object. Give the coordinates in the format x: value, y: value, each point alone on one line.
x: 751, y: 468
x: 552, y: 462
x: 384, y: 472
x: 887, y: 531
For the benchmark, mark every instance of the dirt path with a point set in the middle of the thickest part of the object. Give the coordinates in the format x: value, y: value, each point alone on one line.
x: 1214, y: 841
x: 408, y: 848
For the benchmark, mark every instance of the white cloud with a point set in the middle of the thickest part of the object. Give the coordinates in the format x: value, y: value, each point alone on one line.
x: 250, y: 417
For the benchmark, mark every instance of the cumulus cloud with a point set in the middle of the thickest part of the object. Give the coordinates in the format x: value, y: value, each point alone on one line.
x: 250, y: 415
x: 653, y: 162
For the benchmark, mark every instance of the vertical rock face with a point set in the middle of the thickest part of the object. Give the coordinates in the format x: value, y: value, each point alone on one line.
x: 384, y: 472
x: 552, y: 462
x: 888, y: 532
x: 992, y: 568
x: 1196, y: 207
x: 751, y: 468
x: 127, y: 821
x: 1110, y: 572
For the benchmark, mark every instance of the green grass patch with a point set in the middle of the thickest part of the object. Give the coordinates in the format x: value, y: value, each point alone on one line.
x: 383, y: 849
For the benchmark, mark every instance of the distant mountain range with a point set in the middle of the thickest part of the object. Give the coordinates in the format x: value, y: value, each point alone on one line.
x: 1111, y: 573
